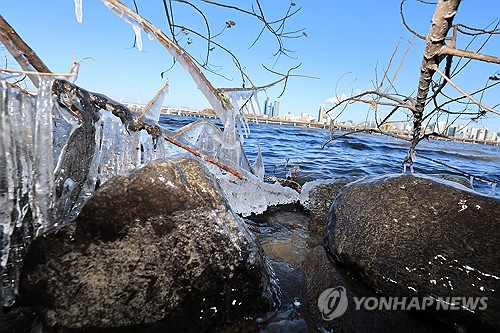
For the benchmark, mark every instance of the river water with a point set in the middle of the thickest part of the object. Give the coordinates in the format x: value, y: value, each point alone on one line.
x: 284, y: 147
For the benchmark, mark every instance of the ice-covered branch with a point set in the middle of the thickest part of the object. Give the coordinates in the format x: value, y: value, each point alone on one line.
x: 22, y: 53
x: 133, y: 123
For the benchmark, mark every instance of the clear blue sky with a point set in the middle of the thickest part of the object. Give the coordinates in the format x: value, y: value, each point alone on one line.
x: 343, y: 37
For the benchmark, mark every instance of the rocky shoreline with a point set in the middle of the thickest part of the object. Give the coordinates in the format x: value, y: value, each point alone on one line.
x: 160, y: 249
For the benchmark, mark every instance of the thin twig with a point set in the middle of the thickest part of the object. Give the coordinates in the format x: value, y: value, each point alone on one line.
x: 487, y: 108
x: 18, y: 71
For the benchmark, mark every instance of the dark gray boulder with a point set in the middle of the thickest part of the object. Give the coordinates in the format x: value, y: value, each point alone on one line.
x: 156, y: 249
x: 409, y: 235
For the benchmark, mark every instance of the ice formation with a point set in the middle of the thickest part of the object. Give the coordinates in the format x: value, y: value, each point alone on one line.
x: 136, y: 26
x: 151, y: 112
x: 78, y: 10
x: 51, y: 160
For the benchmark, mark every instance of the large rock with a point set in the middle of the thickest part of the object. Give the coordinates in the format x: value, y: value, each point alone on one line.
x: 417, y: 236
x: 159, y: 248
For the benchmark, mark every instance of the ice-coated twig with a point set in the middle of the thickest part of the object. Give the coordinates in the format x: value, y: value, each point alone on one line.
x: 35, y: 73
x: 133, y: 124
x: 22, y: 53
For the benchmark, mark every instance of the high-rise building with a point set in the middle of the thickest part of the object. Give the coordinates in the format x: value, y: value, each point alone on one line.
x: 276, y: 109
x: 452, y: 130
x: 482, y: 134
x: 474, y: 133
x: 267, y: 107
x: 322, y: 114
x: 439, y: 127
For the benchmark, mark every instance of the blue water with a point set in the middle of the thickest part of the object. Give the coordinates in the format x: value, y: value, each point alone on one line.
x: 284, y: 147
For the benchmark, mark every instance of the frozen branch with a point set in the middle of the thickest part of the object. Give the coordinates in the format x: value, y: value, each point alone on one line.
x: 22, y: 53
x: 129, y: 120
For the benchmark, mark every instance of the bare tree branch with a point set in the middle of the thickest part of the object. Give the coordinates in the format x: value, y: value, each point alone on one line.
x: 487, y: 108
x: 406, y: 24
x: 446, y: 50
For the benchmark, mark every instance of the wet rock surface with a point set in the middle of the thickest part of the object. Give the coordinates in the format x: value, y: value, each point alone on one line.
x: 322, y: 273
x: 156, y: 249
x: 411, y: 235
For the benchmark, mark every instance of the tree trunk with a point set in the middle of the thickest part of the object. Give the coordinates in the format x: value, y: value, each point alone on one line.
x: 436, y: 40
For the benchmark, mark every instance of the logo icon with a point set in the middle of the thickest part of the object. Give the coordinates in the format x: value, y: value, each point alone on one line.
x: 332, y: 303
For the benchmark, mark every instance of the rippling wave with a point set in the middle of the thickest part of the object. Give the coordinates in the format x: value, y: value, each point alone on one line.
x: 286, y: 147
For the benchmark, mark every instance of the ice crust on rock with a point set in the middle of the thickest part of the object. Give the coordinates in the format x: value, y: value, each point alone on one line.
x: 307, y: 187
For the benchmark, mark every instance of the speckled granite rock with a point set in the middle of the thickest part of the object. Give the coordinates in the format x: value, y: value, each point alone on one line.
x: 158, y: 248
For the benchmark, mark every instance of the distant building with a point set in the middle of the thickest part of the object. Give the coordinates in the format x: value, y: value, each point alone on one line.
x: 388, y: 127
x: 462, y: 132
x: 276, y: 109
x: 452, y: 130
x: 322, y: 114
x: 288, y: 116
x: 439, y: 127
x: 493, y: 136
x: 482, y: 134
x: 267, y: 107
x: 473, y: 133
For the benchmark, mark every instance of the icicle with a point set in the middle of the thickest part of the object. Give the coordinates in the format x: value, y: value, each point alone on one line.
x: 255, y: 107
x: 151, y: 112
x: 89, y: 185
x: 130, y: 20
x: 7, y: 170
x: 121, y: 150
x: 44, y: 170
x: 78, y: 10
x: 258, y: 166
x: 75, y: 69
x: 138, y: 38
x: 147, y: 151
